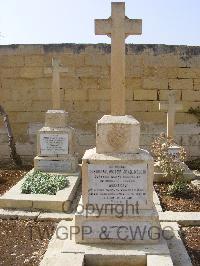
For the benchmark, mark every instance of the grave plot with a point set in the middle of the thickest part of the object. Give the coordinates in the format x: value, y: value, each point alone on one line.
x: 188, y: 202
x: 56, y: 163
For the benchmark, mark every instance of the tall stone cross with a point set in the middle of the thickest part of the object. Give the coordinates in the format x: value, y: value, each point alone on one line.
x: 56, y: 70
x: 171, y: 109
x: 118, y: 27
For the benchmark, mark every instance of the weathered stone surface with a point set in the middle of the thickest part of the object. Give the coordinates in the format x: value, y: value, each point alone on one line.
x: 53, y: 144
x: 141, y: 161
x: 117, y: 134
x: 177, y: 248
x: 56, y: 118
x: 122, y: 228
x: 64, y: 248
x: 67, y: 164
x: 182, y: 218
x: 164, y: 260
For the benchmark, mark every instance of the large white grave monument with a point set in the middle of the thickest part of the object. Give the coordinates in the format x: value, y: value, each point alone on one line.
x: 117, y: 175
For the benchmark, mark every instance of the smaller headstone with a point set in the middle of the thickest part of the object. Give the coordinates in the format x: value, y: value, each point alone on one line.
x: 55, y: 71
x: 55, y: 141
x: 55, y: 146
x: 171, y: 107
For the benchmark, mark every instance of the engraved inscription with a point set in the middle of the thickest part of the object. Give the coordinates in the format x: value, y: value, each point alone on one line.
x: 117, y: 184
x: 53, y: 144
x: 53, y: 166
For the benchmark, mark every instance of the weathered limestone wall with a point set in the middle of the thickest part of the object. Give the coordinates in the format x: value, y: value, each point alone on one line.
x: 151, y: 70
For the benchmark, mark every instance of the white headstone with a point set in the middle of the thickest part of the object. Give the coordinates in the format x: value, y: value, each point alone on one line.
x: 53, y: 144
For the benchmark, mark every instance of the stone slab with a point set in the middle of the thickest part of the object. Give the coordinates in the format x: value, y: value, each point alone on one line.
x: 56, y: 141
x: 59, y: 202
x: 126, y: 183
x: 63, y: 259
x: 35, y: 215
x: 157, y: 202
x: 177, y: 249
x: 142, y: 228
x: 164, y: 260
x: 109, y: 249
x: 117, y: 134
x: 63, y: 248
x: 182, y: 218
x: 56, y: 164
x: 55, y: 216
x: 98, y: 162
x: 16, y: 214
x: 53, y: 144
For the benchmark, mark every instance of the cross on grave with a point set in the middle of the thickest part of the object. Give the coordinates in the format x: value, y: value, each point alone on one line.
x: 171, y: 107
x: 56, y: 70
x: 118, y: 27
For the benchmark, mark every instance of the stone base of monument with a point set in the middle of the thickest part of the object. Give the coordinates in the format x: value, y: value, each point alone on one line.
x: 60, y: 202
x: 63, y: 250
x: 116, y: 225
x: 118, y: 181
x: 67, y: 164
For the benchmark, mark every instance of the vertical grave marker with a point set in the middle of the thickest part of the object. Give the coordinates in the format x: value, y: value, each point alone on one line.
x: 117, y: 174
x: 55, y: 71
x: 118, y: 27
x: 171, y: 107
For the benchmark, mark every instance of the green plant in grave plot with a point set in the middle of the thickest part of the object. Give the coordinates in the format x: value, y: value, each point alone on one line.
x: 44, y: 183
x: 171, y: 167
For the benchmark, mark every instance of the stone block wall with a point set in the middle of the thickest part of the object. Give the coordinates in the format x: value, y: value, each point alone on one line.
x: 151, y: 71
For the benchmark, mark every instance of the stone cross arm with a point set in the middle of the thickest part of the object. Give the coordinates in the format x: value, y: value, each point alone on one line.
x: 165, y: 106
x: 131, y: 26
x: 56, y: 67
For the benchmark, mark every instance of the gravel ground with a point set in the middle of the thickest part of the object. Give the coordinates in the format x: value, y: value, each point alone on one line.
x: 24, y: 242
x: 188, y: 203
x: 10, y: 177
x: 191, y: 239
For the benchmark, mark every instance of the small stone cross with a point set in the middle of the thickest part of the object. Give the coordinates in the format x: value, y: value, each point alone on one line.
x: 118, y: 27
x: 171, y: 107
x: 56, y: 70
